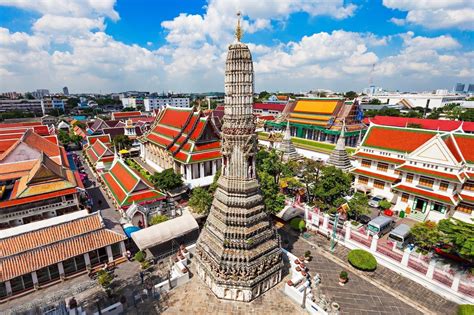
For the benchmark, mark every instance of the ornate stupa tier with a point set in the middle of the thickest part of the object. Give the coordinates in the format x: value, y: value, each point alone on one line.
x: 238, y: 252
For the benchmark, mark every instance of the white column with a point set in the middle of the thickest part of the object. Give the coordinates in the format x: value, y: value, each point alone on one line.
x: 108, y: 249
x: 373, y: 245
x: 214, y: 167
x: 61, y: 270
x: 431, y: 268
x: 201, y: 168
x: 347, y: 236
x: 456, y: 280
x: 87, y: 260
x: 406, y: 256
x: 8, y: 287
x: 325, y: 221
x: 123, y: 249
x: 34, y: 277
x: 189, y: 172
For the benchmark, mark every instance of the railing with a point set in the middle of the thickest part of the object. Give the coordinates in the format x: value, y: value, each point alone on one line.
x: 389, y: 252
x: 442, y: 277
x: 33, y: 211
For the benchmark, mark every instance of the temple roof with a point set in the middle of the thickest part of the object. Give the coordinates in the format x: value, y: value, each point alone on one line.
x: 128, y: 187
x: 57, y: 240
x: 432, y: 124
x: 99, y: 152
x: 396, y: 139
x: 187, y: 134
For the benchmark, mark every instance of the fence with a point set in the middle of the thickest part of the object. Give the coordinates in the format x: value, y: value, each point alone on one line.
x: 456, y: 286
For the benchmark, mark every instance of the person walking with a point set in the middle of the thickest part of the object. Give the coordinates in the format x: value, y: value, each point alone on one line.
x: 142, y: 276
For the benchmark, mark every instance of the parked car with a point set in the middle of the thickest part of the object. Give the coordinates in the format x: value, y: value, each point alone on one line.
x: 364, y: 219
x: 446, y: 251
x: 380, y: 225
x: 375, y: 200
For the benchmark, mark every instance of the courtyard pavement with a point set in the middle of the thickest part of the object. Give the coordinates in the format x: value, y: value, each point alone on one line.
x: 380, y: 292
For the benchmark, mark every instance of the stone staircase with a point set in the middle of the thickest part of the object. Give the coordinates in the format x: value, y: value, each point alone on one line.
x: 418, y: 215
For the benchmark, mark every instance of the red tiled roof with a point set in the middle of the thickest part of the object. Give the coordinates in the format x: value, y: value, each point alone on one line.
x: 104, y: 138
x: 41, y: 144
x: 20, y: 124
x: 432, y: 124
x: 205, y: 156
x: 269, y: 106
x: 21, y: 201
x: 175, y: 117
x: 163, y: 130
x: 144, y: 196
x: 466, y: 146
x: 470, y: 175
x: 396, y: 139
x: 428, y: 172
x: 158, y: 140
x: 198, y: 130
x: 424, y: 193
x: 207, y: 146
x: 467, y: 198
x: 383, y: 177
x: 378, y: 158
x: 116, y: 190
x: 124, y: 177
x: 11, y: 136
x: 119, y: 115
x: 6, y: 144
x: 452, y: 147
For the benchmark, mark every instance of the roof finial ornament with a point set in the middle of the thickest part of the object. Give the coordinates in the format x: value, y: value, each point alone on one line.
x: 238, y: 29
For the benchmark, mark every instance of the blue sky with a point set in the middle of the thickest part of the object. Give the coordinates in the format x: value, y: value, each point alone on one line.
x: 165, y: 45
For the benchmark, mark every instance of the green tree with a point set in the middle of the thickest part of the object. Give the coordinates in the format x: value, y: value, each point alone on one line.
x: 104, y: 279
x: 200, y: 200
x: 460, y: 235
x: 332, y: 186
x: 80, y: 124
x: 467, y: 115
x: 273, y: 166
x: 263, y: 95
x: 311, y: 171
x: 426, y: 235
x: 64, y: 137
x: 158, y: 218
x: 76, y: 139
x: 350, y: 95
x: 434, y: 115
x: 375, y: 101
x: 122, y: 142
x: 358, y: 205
x: 72, y: 102
x: 213, y: 186
x: 274, y: 200
x: 167, y: 180
x: 413, y: 114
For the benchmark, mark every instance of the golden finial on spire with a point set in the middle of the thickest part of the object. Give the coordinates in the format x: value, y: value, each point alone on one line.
x: 238, y: 29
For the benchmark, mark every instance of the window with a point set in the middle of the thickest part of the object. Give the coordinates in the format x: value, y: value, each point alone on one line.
x: 405, y: 197
x: 443, y: 186
x: 366, y: 163
x: 382, y: 167
x: 438, y: 207
x: 465, y: 208
x: 3, y: 289
x: 379, y: 184
x: 409, y: 178
x: 469, y: 186
x: 426, y: 182
x: 363, y: 180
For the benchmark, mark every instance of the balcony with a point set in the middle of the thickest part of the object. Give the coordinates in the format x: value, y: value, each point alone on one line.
x: 36, y: 210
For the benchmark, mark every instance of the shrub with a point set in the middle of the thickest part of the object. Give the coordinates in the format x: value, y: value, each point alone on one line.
x: 140, y: 256
x: 343, y: 275
x: 384, y: 204
x: 159, y: 218
x: 307, y: 253
x: 362, y: 260
x: 104, y: 278
x: 466, y: 309
x: 297, y: 224
x: 145, y: 264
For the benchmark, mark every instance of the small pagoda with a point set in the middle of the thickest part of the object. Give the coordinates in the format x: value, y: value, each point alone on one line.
x: 339, y: 157
x: 287, y: 147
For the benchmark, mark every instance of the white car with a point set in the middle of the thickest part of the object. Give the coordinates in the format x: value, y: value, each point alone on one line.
x: 375, y: 200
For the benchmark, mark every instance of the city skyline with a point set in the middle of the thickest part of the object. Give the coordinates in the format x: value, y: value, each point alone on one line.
x: 111, y: 46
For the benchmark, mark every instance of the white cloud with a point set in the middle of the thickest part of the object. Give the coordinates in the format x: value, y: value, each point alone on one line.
x: 435, y: 14
x: 77, y: 8
x: 399, y: 22
x: 414, y: 43
x: 62, y: 26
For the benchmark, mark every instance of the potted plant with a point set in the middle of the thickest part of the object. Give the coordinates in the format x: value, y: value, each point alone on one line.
x: 297, y: 261
x: 307, y: 256
x: 290, y: 283
x: 145, y: 264
x: 343, y: 277
x: 298, y: 268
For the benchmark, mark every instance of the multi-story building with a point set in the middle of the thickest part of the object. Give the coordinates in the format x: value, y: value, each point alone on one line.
x: 411, y: 100
x: 186, y: 141
x: 50, y: 103
x: 132, y: 102
x: 161, y: 102
x: 268, y: 109
x: 65, y: 91
x: 40, y: 93
x: 11, y: 95
x: 428, y: 174
x: 459, y: 88
x: 36, y: 181
x: 24, y: 105
x: 321, y: 119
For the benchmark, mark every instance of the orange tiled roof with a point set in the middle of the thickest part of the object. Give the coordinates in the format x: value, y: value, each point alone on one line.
x: 36, y: 249
x: 466, y: 145
x: 396, y: 139
x: 119, y: 115
x: 467, y: 198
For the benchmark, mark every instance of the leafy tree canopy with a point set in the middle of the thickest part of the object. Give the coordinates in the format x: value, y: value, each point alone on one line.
x: 459, y: 234
x: 375, y: 101
x: 167, y: 180
x: 425, y: 234
x: 122, y: 142
x: 358, y: 205
x: 350, y: 95
x: 157, y: 219
x: 200, y: 200
x: 332, y: 186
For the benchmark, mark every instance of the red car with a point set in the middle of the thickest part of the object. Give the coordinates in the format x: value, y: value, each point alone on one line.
x: 446, y: 251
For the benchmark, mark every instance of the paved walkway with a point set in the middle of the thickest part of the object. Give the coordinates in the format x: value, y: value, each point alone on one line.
x: 366, y: 292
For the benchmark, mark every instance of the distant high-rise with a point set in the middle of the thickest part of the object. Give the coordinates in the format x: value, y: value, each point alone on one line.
x: 40, y: 93
x: 459, y: 88
x: 470, y: 88
x: 65, y: 90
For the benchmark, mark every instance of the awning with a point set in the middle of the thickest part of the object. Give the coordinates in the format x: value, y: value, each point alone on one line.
x: 130, y: 229
x: 165, y: 231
